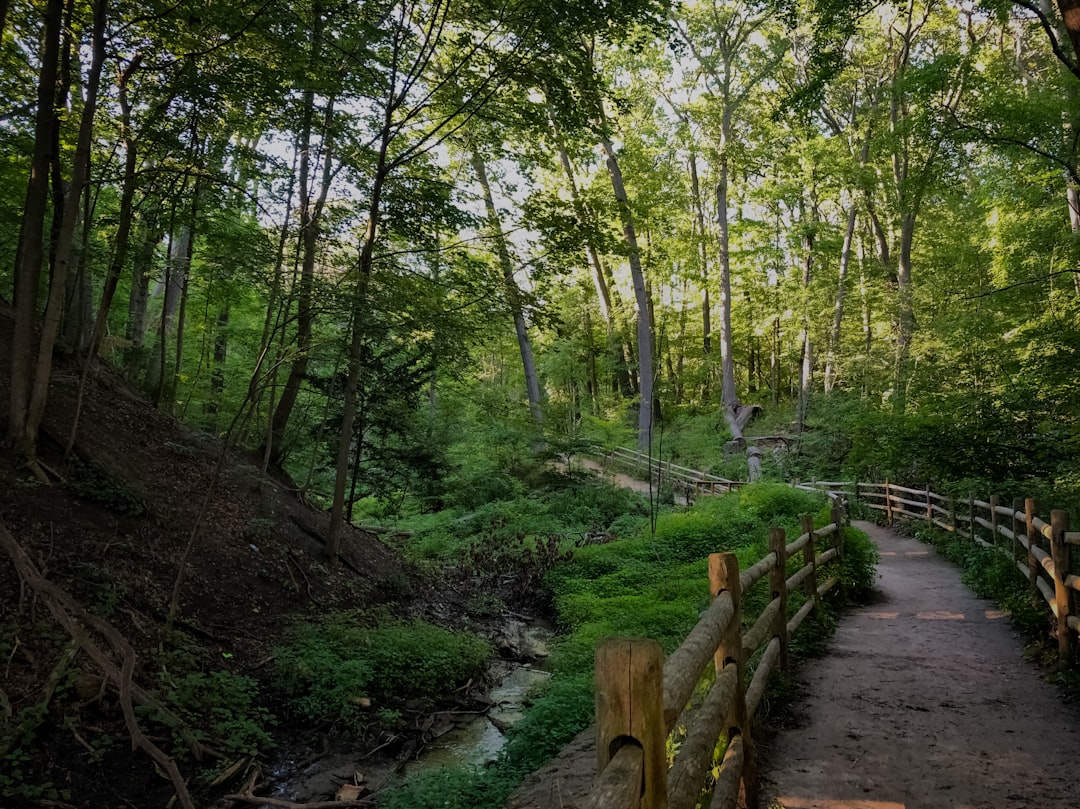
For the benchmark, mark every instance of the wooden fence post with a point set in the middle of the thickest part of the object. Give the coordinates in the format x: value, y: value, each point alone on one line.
x: 1017, y: 525
x: 724, y: 575
x: 929, y: 510
x: 809, y: 558
x: 1032, y: 536
x: 630, y: 710
x: 994, y: 519
x: 1059, y: 552
x: 952, y: 513
x: 778, y: 585
x: 971, y: 515
x: 888, y: 504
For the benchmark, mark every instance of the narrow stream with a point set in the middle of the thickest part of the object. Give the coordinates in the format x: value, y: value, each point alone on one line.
x: 459, y: 738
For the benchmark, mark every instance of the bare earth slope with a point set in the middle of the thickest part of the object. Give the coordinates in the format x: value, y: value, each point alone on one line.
x: 924, y: 701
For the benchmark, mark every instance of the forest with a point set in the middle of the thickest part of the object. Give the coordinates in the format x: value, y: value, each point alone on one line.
x: 407, y: 257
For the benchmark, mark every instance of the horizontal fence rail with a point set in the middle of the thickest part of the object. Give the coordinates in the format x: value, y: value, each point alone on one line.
x: 657, y: 470
x: 641, y: 697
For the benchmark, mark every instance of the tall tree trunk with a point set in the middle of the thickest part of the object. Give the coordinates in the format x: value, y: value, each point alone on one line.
x: 905, y: 312
x: 175, y: 279
x: 513, y: 293
x: 607, y: 296
x: 310, y: 224
x: 706, y: 306
x: 142, y: 269
x: 735, y: 414
x: 838, y: 302
x: 66, y: 234
x: 310, y: 221
x: 637, y: 276
x: 217, y: 375
x: 1074, y: 222
x: 31, y: 238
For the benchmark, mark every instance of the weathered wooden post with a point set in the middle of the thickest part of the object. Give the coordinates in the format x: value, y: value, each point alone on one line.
x: 809, y: 557
x: 630, y: 710
x: 929, y: 510
x: 1033, y: 541
x: 1059, y: 552
x: 971, y: 515
x: 888, y: 504
x: 994, y: 519
x: 778, y: 585
x: 724, y: 575
x: 1017, y: 525
x: 952, y: 513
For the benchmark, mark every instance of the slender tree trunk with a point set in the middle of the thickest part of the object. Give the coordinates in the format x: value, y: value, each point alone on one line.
x: 513, y: 293
x: 905, y: 317
x: 1074, y: 221
x: 310, y: 224
x: 838, y: 303
x: 706, y: 306
x: 607, y: 296
x: 142, y: 269
x: 637, y: 276
x: 31, y: 238
x: 217, y: 375
x: 66, y: 234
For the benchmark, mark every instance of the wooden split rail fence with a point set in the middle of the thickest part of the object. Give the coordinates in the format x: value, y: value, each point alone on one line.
x: 641, y: 697
x: 1041, y: 550
x: 656, y: 469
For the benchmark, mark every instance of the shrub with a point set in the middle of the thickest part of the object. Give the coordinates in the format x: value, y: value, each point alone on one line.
x: 221, y: 708
x: 331, y: 670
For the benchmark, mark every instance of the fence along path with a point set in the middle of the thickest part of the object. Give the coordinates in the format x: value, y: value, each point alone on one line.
x: 923, y: 701
x: 641, y: 697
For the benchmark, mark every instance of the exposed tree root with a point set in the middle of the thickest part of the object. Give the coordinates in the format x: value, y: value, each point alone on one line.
x: 79, y: 623
x: 247, y: 797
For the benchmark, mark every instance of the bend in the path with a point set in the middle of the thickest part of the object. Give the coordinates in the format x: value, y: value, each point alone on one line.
x: 924, y: 700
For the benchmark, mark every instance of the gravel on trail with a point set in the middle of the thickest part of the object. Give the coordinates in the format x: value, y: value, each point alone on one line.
x: 924, y: 700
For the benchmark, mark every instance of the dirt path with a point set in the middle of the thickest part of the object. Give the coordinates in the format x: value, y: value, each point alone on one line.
x: 924, y: 701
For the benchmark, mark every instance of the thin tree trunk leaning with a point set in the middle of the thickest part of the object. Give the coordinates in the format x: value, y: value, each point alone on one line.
x: 607, y: 296
x: 838, y: 304
x: 66, y: 236
x: 513, y: 293
x: 644, y: 329
x: 310, y: 220
x: 28, y: 270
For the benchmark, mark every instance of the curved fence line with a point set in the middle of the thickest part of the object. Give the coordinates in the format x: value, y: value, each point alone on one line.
x: 1039, y: 549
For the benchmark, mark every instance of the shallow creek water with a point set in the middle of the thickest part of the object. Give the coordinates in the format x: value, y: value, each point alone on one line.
x: 459, y: 739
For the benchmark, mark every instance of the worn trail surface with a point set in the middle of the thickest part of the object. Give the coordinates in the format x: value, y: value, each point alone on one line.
x: 924, y: 701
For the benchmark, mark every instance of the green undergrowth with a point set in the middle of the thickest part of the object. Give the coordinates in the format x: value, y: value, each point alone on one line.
x: 648, y: 584
x: 353, y: 672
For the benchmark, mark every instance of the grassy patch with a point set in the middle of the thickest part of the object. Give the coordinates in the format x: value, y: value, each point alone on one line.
x: 345, y: 672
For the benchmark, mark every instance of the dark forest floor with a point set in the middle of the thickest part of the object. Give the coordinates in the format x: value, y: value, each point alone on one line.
x: 111, y: 530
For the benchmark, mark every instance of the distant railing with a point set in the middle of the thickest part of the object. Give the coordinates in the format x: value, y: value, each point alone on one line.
x: 657, y: 470
x: 640, y: 697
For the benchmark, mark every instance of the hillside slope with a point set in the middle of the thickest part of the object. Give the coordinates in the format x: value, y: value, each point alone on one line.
x: 110, y: 532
